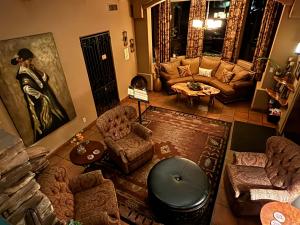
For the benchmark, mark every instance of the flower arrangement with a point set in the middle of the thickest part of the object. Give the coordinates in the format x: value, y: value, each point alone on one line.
x: 78, y: 138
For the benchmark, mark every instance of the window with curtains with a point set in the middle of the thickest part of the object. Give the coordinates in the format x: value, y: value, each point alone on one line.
x: 252, y: 28
x: 216, y: 20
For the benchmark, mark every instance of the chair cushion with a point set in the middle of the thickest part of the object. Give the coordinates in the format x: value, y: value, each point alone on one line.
x: 171, y: 67
x: 90, y: 202
x: 194, y: 64
x: 225, y: 88
x: 203, y: 79
x: 134, y: 146
x: 179, y: 80
x: 224, y: 65
x: 244, y: 178
x: 205, y: 72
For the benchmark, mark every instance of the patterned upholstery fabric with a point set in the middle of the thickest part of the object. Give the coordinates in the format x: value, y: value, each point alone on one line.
x: 184, y: 71
x: 274, y: 175
x: 88, y: 198
x: 128, y: 142
x: 250, y: 159
x: 244, y: 178
x: 194, y: 64
x: 224, y: 65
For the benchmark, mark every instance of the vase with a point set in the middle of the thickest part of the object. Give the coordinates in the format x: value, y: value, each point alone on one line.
x: 157, y: 84
x: 81, y: 149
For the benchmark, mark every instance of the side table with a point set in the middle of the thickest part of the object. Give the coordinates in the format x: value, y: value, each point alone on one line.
x: 269, y: 211
x: 94, y: 152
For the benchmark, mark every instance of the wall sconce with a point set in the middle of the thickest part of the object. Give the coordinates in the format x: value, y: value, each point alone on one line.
x: 297, y: 50
x: 125, y: 39
x: 131, y: 41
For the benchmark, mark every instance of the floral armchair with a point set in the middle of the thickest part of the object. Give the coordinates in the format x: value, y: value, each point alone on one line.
x: 88, y: 198
x: 128, y: 142
x: 257, y: 178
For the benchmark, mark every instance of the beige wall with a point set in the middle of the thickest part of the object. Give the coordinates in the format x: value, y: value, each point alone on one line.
x: 68, y: 20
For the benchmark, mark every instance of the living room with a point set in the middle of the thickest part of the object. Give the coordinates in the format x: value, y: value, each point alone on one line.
x: 65, y: 24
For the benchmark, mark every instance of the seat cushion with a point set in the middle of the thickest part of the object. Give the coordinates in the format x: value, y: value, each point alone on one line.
x: 225, y: 88
x: 89, y: 203
x: 134, y: 146
x: 202, y: 79
x: 244, y: 178
x: 179, y: 80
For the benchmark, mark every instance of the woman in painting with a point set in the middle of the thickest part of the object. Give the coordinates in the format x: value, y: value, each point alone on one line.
x: 45, y: 111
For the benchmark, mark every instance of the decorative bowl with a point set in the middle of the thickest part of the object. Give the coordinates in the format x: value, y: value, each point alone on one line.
x: 194, y: 86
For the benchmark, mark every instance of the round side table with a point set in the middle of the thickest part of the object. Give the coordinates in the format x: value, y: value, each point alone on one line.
x: 269, y: 210
x: 94, y: 152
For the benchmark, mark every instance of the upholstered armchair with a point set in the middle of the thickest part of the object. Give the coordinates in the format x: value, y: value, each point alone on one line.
x: 88, y: 198
x: 128, y: 142
x: 257, y: 178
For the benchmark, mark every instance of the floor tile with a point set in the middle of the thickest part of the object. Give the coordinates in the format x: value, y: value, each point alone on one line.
x: 223, y: 216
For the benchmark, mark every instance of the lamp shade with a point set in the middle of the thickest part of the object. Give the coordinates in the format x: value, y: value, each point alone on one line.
x: 297, y: 50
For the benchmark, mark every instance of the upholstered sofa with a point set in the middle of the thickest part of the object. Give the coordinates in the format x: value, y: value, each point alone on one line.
x: 129, y: 143
x: 257, y: 178
x: 88, y: 198
x: 239, y: 86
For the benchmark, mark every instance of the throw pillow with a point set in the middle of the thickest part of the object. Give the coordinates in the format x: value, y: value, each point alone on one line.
x: 205, y: 72
x: 171, y: 67
x: 184, y: 71
x: 224, y: 65
x: 241, y: 75
x: 194, y: 64
x: 226, y: 76
x: 210, y: 63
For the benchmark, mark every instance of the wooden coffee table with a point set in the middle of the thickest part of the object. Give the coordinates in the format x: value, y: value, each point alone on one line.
x: 94, y: 152
x: 291, y: 214
x: 206, y: 90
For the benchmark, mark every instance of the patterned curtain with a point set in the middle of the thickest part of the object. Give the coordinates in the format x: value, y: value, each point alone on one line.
x: 195, y: 35
x: 237, y: 15
x: 164, y: 14
x: 267, y: 27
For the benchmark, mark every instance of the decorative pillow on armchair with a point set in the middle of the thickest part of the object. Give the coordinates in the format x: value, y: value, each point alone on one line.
x: 184, y: 71
x: 205, y: 72
x: 226, y: 76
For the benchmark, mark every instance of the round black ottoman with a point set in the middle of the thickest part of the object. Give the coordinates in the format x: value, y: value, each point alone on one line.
x: 178, y: 191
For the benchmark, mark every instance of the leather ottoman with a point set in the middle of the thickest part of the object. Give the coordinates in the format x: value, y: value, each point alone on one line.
x: 178, y: 191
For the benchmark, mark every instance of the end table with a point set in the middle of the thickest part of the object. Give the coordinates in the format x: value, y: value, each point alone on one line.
x: 94, y: 152
x: 272, y: 211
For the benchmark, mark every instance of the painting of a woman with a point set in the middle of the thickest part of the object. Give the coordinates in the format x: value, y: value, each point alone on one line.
x: 46, y: 113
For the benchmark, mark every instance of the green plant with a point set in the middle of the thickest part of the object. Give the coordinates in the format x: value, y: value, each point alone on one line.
x: 74, y: 222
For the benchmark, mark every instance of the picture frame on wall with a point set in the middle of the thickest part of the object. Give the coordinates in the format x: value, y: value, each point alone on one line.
x: 33, y: 87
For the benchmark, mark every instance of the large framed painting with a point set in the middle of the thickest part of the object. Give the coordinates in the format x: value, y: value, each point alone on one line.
x: 33, y: 87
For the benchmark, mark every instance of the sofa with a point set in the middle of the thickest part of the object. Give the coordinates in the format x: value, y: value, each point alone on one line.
x: 235, y: 81
x: 88, y: 198
x: 253, y: 179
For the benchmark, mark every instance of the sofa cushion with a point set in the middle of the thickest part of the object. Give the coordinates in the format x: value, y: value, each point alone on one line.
x: 92, y: 203
x: 241, y: 75
x: 171, y: 67
x: 194, y: 64
x: 210, y: 63
x: 205, y: 72
x: 180, y: 80
x: 225, y: 88
x: 245, y: 64
x: 223, y: 65
x: 202, y: 79
x: 226, y: 76
x: 184, y: 71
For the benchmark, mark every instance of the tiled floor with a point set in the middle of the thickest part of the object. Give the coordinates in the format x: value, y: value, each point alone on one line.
x: 231, y: 112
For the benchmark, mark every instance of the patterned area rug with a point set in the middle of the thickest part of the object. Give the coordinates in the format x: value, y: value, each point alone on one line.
x: 199, y: 139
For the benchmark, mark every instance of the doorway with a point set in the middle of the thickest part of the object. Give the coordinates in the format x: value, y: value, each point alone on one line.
x: 99, y: 62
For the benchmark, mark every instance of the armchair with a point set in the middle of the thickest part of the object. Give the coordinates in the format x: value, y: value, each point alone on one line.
x: 128, y: 142
x: 88, y: 198
x: 257, y: 178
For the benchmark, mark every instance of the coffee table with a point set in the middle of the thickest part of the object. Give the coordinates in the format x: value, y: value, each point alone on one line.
x: 269, y: 211
x: 206, y: 90
x: 94, y: 152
